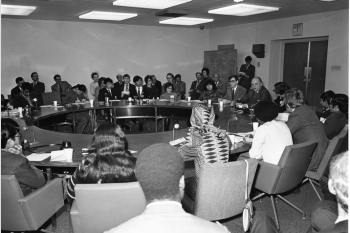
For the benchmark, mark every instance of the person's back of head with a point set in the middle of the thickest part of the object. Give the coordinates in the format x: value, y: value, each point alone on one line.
x: 338, y: 180
x: 327, y: 96
x: 266, y: 110
x: 9, y: 129
x: 159, y: 168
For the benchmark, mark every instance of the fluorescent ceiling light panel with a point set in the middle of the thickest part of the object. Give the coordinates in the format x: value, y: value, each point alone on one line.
x: 102, y: 15
x: 243, y: 10
x: 17, y: 10
x: 150, y: 4
x: 186, y: 21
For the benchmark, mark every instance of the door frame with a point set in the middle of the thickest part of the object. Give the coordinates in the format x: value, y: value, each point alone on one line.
x: 307, y: 39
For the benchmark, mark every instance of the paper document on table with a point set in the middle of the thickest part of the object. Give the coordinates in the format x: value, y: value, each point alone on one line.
x: 177, y: 141
x: 58, y: 155
x: 38, y: 157
x: 132, y: 151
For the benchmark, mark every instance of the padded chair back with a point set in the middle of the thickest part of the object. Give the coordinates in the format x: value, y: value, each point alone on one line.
x: 221, y: 187
x: 104, y: 206
x: 295, y: 161
x: 12, y: 217
x: 333, y: 149
x: 49, y: 97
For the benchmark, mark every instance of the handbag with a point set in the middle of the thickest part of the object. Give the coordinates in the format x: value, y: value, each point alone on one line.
x: 248, y: 207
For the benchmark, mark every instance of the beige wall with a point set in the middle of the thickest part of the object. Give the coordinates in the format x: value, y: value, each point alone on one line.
x: 74, y: 50
x: 272, y: 33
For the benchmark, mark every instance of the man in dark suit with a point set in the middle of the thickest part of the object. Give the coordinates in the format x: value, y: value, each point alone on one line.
x: 256, y: 94
x: 195, y: 89
x: 234, y: 92
x: 37, y: 88
x: 18, y: 89
x: 246, y: 73
x: 24, y: 98
x: 108, y: 91
x: 180, y: 86
x: 60, y: 86
x: 127, y: 90
x: 119, y: 81
x: 157, y: 84
x: 221, y: 86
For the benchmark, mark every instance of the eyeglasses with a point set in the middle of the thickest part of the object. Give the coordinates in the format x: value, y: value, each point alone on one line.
x: 18, y: 135
x: 233, y: 81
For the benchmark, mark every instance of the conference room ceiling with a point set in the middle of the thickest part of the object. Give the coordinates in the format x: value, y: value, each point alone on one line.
x: 69, y: 10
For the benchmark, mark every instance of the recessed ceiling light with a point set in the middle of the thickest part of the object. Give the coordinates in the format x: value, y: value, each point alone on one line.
x: 102, y: 15
x: 151, y: 4
x: 186, y: 21
x: 243, y: 10
x: 17, y: 10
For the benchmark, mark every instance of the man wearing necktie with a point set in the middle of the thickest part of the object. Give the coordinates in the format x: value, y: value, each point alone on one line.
x: 108, y: 91
x: 127, y: 90
x: 60, y: 86
x: 246, y: 73
x: 18, y: 89
x: 196, y: 87
x: 139, y: 95
x: 37, y: 88
x: 221, y: 86
x: 256, y: 94
x: 234, y: 92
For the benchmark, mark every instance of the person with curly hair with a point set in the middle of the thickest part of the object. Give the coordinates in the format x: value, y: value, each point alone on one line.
x: 210, y: 92
x: 109, y: 162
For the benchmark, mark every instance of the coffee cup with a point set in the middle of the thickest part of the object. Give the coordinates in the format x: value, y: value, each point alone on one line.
x: 189, y: 98
x: 69, y: 154
x: 54, y: 103
x: 221, y: 103
x: 255, y: 125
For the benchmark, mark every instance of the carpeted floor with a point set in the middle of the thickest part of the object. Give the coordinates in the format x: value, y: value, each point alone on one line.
x: 290, y: 220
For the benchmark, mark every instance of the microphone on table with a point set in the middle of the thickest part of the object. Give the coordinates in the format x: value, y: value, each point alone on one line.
x: 176, y: 126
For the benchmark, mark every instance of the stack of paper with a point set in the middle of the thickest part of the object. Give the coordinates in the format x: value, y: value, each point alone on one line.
x: 58, y: 155
x: 38, y: 157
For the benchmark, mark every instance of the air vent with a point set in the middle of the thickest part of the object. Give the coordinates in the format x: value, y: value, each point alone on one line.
x: 171, y: 13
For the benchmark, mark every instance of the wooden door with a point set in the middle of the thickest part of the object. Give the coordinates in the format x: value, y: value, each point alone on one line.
x: 304, y: 68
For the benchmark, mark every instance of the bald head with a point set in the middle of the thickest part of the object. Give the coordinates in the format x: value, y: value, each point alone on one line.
x: 256, y: 84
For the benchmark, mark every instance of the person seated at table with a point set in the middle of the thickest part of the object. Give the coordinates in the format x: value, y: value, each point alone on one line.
x: 207, y: 144
x: 157, y: 84
x: 18, y: 88
x: 210, y: 92
x: 169, y: 94
x: 305, y: 125
x: 12, y: 160
x: 335, y: 122
x: 257, y: 93
x: 234, y: 91
x: 170, y: 79
x: 197, y: 87
x: 150, y: 91
x: 272, y: 136
x: 60, y: 86
x: 5, y: 103
x: 180, y: 86
x: 107, y: 91
x: 101, y: 85
x: 78, y: 94
x: 221, y: 86
x: 325, y: 99
x: 110, y: 161
x: 127, y: 90
x: 159, y: 170
x: 280, y: 89
x: 24, y: 98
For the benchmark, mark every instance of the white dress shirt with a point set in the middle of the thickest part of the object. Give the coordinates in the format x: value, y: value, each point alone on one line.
x: 269, y: 141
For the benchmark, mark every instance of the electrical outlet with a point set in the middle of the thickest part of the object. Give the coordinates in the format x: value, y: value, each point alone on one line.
x: 336, y: 68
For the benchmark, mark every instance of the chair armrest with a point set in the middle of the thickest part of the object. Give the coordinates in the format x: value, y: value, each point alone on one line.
x: 267, y: 176
x: 74, y: 215
x: 41, y: 204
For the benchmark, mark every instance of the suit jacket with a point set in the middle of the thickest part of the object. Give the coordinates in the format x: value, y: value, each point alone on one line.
x: 117, y: 84
x: 64, y: 85
x: 180, y: 89
x: 334, y: 124
x: 37, y: 90
x: 340, y: 227
x: 305, y: 126
x: 200, y: 87
x: 15, y: 91
x: 150, y: 93
x: 246, y: 82
x: 167, y: 218
x: 158, y: 85
x: 103, y: 93
x: 27, y: 175
x: 120, y: 89
x: 239, y: 93
x: 222, y: 88
x: 252, y: 97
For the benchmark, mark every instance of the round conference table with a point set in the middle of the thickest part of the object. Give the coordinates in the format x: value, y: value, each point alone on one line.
x: 124, y: 110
